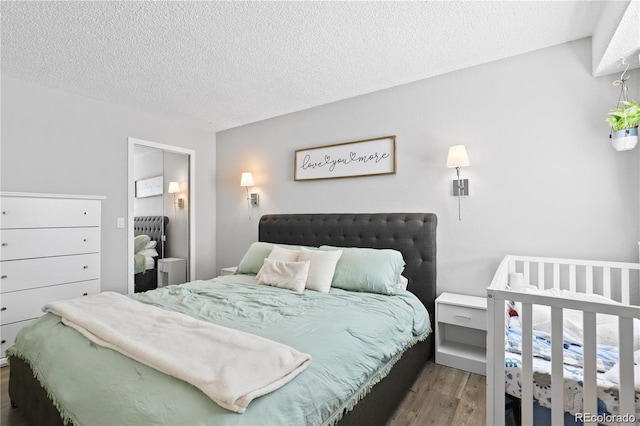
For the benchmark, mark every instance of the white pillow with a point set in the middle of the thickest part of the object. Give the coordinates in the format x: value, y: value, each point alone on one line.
x: 402, y: 282
x: 287, y: 255
x: 148, y: 252
x: 323, y: 266
x: 282, y: 274
x: 151, y: 245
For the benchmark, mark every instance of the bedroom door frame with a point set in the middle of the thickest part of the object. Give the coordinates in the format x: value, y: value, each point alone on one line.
x: 131, y: 197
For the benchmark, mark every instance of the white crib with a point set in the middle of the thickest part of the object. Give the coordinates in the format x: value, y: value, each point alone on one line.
x: 618, y: 281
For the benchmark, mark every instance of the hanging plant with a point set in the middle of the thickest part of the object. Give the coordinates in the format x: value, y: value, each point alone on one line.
x: 624, y: 119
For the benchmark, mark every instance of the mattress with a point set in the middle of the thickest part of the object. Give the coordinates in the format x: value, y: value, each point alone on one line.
x: 354, y: 339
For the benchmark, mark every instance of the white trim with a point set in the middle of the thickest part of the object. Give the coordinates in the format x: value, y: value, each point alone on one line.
x: 131, y: 195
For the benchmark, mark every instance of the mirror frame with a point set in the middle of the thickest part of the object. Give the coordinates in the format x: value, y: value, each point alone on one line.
x: 131, y: 197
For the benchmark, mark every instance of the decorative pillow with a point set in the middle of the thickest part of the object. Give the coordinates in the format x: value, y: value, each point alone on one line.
x: 257, y: 253
x: 139, y: 242
x: 151, y: 245
x: 283, y: 274
x: 287, y: 255
x: 323, y: 266
x: 254, y: 258
x: 367, y: 270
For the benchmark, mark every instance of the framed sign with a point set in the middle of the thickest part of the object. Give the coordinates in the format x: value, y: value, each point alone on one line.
x: 349, y: 159
x: 149, y: 187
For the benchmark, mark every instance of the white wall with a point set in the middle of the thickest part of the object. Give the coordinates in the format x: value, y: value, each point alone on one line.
x: 544, y: 179
x: 57, y: 142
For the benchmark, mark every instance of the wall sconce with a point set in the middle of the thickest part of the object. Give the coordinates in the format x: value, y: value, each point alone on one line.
x: 252, y: 199
x: 174, y: 188
x: 458, y: 158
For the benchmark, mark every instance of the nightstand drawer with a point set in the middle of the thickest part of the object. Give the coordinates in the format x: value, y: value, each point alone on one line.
x: 463, y: 316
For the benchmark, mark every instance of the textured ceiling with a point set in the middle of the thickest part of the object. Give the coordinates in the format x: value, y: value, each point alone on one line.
x: 224, y: 64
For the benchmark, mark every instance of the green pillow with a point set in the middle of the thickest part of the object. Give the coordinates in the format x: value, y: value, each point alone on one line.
x: 140, y: 242
x: 367, y: 270
x: 254, y: 257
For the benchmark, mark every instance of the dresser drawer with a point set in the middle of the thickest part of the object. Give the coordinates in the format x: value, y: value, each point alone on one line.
x: 31, y: 243
x: 8, y: 333
x: 27, y: 212
x: 32, y: 273
x: 463, y: 316
x: 27, y: 304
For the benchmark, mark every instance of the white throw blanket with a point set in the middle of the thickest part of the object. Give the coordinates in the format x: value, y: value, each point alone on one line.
x: 230, y: 366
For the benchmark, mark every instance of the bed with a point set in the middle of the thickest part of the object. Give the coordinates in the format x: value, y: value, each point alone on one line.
x: 564, y: 341
x: 146, y: 265
x: 412, y: 234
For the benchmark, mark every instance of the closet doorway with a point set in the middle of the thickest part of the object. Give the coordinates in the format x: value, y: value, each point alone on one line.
x: 161, y: 211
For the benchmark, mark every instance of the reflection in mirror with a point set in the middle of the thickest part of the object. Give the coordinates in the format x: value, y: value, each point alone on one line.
x: 161, y: 218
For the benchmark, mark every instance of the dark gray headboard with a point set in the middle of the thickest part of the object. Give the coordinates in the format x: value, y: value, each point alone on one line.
x: 153, y: 226
x: 412, y: 234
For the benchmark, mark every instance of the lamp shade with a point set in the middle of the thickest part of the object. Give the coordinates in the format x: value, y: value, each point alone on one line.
x: 174, y: 188
x: 457, y: 156
x: 247, y: 179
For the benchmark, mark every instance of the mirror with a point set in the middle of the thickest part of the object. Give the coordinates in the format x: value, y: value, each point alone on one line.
x: 160, y: 215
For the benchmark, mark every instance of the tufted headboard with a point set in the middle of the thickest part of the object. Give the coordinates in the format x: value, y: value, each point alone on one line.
x: 412, y: 234
x: 153, y: 226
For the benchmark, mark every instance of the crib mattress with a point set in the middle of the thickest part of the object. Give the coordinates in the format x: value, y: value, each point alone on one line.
x: 608, y: 389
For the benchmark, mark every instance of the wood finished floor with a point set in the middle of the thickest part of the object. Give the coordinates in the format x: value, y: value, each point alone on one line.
x: 440, y: 396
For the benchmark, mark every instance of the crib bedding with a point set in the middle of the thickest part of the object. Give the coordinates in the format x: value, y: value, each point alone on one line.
x: 607, y: 359
x: 353, y: 339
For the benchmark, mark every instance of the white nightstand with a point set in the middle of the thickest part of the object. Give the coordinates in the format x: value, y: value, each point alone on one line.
x: 230, y: 270
x: 461, y: 332
x: 171, y: 270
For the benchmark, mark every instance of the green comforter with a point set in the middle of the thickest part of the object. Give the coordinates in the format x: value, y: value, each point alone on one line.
x: 353, y: 338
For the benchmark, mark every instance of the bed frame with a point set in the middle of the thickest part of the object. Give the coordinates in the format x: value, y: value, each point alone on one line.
x: 155, y: 228
x: 618, y: 281
x: 413, y: 234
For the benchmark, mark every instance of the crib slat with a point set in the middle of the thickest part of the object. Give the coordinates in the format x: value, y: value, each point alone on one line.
x: 556, y: 275
x: 541, y: 276
x: 590, y: 394
x: 589, y: 279
x: 627, y: 394
x: 606, y: 282
x: 572, y: 278
x: 624, y: 281
x: 498, y: 353
x: 527, y: 365
x: 527, y: 272
x: 557, y: 368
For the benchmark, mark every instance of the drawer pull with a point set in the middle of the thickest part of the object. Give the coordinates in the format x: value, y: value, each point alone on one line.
x: 85, y: 267
x: 5, y: 244
x: 3, y: 277
x: 3, y: 341
x: 85, y: 213
x: 85, y: 294
x: 5, y: 212
x: 4, y: 308
x: 85, y: 240
x: 464, y: 317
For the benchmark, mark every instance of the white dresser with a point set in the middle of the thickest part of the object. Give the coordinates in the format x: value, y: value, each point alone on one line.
x: 50, y: 250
